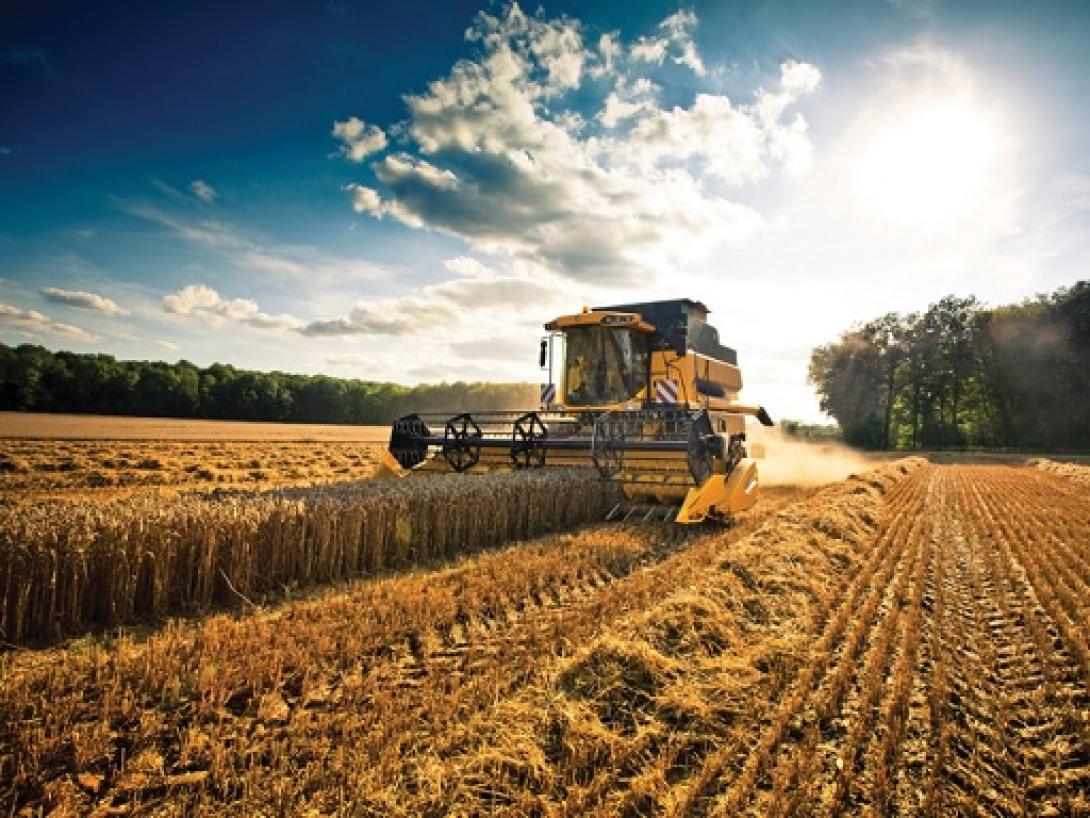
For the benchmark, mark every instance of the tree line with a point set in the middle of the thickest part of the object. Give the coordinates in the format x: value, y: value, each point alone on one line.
x: 960, y: 374
x: 33, y: 378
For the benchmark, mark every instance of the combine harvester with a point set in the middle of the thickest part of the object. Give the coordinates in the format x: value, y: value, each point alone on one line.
x: 648, y: 395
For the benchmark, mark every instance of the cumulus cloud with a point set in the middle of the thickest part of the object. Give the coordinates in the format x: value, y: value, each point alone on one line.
x: 34, y: 323
x: 468, y: 267
x: 365, y: 199
x: 733, y: 143
x: 203, y: 191
x: 649, y: 49
x: 679, y: 28
x: 675, y: 39
x: 201, y: 301
x: 461, y: 303
x: 83, y: 300
x: 627, y: 100
x: 495, y: 154
x: 610, y: 51
x: 359, y: 138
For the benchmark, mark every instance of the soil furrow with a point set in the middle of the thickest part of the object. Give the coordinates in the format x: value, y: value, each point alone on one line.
x: 1012, y: 685
x: 806, y: 749
x: 744, y: 761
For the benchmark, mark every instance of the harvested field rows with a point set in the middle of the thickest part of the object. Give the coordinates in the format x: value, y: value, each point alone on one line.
x: 87, y: 470
x: 349, y: 687
x: 913, y: 641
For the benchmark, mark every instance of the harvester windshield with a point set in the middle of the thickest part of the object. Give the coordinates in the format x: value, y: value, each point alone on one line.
x: 603, y: 365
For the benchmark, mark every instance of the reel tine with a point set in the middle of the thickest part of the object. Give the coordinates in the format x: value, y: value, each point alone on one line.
x: 643, y: 512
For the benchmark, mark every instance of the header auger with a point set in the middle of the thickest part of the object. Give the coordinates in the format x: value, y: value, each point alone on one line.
x: 647, y: 395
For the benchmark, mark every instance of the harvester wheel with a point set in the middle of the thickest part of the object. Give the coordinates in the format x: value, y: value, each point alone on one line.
x: 527, y: 438
x: 702, y: 447
x: 607, y: 444
x: 461, y: 442
x: 408, y: 441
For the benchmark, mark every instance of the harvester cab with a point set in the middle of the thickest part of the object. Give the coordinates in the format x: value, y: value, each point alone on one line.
x: 647, y: 395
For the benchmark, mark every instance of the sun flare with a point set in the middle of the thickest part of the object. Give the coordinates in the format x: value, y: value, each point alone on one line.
x: 929, y: 162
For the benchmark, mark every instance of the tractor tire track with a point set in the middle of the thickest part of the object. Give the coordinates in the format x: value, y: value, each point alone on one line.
x: 1012, y: 746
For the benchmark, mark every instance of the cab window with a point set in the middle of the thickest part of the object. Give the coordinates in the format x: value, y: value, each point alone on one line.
x: 604, y: 365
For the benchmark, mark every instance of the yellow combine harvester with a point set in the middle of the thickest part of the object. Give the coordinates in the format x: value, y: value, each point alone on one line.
x: 648, y: 395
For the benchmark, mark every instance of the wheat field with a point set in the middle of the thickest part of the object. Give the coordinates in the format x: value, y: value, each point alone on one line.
x: 910, y: 641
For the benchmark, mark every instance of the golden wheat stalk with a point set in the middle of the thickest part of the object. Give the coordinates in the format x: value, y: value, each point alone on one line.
x: 69, y: 567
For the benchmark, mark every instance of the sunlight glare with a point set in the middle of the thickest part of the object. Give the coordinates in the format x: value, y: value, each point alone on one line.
x: 928, y: 163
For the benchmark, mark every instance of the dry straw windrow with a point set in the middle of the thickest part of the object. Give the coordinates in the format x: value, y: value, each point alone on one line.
x: 67, y: 567
x: 1074, y: 472
x: 653, y: 706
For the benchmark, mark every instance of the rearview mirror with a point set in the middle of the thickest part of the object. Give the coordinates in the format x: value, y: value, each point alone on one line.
x: 544, y: 354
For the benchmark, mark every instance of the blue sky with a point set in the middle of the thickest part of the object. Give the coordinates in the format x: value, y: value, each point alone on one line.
x: 407, y: 192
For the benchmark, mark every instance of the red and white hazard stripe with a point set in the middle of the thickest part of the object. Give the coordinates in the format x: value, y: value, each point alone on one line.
x: 666, y: 391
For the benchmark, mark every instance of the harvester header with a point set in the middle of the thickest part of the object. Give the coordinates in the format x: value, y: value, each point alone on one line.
x: 646, y: 394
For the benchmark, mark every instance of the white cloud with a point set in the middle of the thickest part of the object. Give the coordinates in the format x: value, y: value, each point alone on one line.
x: 680, y: 26
x: 33, y: 323
x: 5, y: 150
x: 84, y: 301
x: 365, y: 199
x: 627, y: 100
x: 649, y: 49
x: 477, y: 300
x: 502, y: 161
x: 678, y: 29
x: 691, y: 58
x: 203, y: 191
x: 360, y: 139
x: 609, y: 52
x: 201, y: 301
x: 468, y: 267
x: 734, y: 143
x: 797, y: 78
x: 167, y: 345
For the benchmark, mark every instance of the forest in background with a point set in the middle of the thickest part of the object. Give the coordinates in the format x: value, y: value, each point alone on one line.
x: 964, y: 375
x: 33, y: 378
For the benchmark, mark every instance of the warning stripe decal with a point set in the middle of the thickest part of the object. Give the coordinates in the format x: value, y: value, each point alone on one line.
x: 666, y: 391
x: 548, y: 393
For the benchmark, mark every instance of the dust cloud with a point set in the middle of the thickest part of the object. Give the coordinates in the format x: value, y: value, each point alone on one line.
x: 791, y: 461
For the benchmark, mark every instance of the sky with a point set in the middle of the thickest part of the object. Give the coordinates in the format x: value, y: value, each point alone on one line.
x: 408, y: 191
